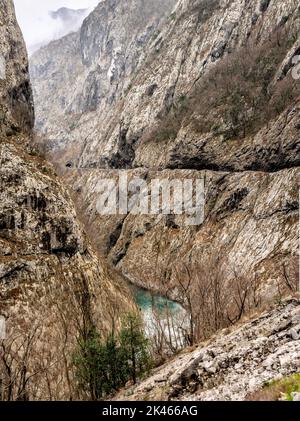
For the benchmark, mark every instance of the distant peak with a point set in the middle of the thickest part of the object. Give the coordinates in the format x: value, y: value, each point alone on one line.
x: 66, y: 14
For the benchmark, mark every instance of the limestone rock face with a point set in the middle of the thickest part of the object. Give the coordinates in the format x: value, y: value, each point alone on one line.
x: 53, y: 286
x: 124, y: 83
x: 16, y: 105
x: 129, y: 82
x: 231, y: 365
x: 89, y: 72
x: 250, y: 229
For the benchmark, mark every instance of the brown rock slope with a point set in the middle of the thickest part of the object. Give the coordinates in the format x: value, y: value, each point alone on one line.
x: 53, y: 287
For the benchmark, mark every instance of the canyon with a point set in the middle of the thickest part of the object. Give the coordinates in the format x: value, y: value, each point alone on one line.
x: 157, y: 89
x: 129, y: 101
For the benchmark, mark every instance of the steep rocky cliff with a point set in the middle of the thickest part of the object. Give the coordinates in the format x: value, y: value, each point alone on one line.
x: 53, y: 287
x: 97, y: 63
x: 207, y: 89
x: 16, y: 106
x: 190, y: 42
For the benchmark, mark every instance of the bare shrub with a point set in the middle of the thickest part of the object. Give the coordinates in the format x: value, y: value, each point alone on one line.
x: 15, y: 373
x: 290, y: 275
x: 213, y: 300
x: 169, y: 333
x: 238, y: 96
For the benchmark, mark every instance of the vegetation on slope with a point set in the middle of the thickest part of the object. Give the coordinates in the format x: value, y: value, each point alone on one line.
x: 276, y: 390
x: 240, y: 94
x: 103, y: 366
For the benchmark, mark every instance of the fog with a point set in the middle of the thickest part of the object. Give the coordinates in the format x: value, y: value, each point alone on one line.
x: 37, y: 26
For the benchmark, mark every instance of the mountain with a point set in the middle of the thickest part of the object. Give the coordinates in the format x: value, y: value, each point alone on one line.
x: 53, y: 286
x: 70, y: 16
x: 198, y: 89
x: 59, y: 23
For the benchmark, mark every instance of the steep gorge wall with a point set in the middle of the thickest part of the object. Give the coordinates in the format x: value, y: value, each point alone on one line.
x: 98, y: 63
x: 252, y: 180
x: 16, y: 106
x: 53, y: 286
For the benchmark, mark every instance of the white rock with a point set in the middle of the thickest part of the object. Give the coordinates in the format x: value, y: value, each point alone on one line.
x: 296, y: 396
x: 2, y: 68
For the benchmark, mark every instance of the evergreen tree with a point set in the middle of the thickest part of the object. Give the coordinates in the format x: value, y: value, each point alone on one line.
x: 104, y: 366
x: 134, y: 347
x: 88, y: 361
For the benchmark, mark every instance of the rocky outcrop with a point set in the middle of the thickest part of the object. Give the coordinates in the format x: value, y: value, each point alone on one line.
x: 109, y: 48
x: 16, y: 105
x: 232, y: 364
x: 142, y: 110
x: 155, y: 75
x: 53, y: 286
x: 250, y: 229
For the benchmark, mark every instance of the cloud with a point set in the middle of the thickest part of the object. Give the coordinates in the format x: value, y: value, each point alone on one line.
x: 36, y: 24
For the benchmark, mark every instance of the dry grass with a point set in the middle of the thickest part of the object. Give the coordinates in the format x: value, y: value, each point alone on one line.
x: 277, y: 390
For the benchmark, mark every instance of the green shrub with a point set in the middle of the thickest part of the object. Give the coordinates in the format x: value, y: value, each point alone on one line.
x: 134, y: 348
x: 102, y: 366
x: 46, y: 170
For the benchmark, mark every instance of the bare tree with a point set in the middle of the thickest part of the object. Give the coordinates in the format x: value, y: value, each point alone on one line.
x: 290, y: 275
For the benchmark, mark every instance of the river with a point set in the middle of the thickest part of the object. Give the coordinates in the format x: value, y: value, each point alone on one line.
x: 162, y: 317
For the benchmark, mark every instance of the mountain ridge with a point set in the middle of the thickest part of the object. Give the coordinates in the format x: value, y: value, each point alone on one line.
x: 159, y: 126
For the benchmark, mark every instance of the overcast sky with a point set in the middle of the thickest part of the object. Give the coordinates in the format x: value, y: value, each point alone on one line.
x: 35, y: 22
